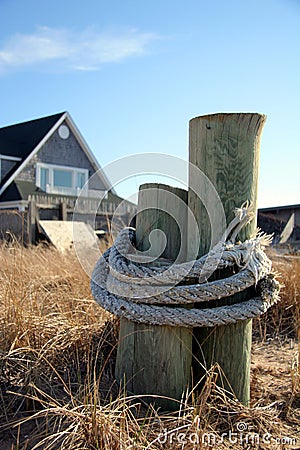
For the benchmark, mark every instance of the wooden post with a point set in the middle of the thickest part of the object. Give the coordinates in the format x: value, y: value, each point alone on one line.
x: 225, y: 147
x: 63, y: 211
x: 157, y: 359
x: 31, y: 222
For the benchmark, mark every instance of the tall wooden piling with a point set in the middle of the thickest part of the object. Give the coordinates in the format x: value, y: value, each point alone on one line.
x: 225, y: 147
x: 157, y: 360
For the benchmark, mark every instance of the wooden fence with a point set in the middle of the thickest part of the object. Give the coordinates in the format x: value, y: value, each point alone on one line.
x: 23, y: 225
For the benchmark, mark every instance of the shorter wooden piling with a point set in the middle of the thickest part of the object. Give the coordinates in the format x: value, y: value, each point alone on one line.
x: 156, y: 360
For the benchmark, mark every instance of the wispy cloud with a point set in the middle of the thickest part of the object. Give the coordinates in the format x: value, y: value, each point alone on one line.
x: 68, y: 50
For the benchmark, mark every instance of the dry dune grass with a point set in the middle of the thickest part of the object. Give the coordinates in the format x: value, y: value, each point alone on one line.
x: 284, y: 318
x: 57, y: 351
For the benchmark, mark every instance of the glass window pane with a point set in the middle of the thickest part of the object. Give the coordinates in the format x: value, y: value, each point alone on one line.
x: 80, y: 180
x: 62, y: 178
x: 44, y: 178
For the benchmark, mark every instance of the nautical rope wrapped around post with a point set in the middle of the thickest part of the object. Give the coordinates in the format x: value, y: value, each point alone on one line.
x: 152, y: 293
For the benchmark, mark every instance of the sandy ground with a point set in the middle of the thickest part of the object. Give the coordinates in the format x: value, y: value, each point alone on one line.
x: 272, y: 377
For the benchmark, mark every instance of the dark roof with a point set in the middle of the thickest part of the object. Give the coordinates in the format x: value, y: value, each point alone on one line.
x: 21, y: 139
x: 273, y: 225
x: 19, y: 190
x: 279, y: 208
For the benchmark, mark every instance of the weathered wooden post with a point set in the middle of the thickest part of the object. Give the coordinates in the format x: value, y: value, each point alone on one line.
x: 157, y: 359
x: 63, y: 215
x: 225, y: 147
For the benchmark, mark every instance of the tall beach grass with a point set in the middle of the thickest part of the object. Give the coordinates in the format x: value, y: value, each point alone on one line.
x: 57, y: 356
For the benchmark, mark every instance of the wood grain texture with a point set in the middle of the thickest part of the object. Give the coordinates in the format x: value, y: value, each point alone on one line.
x: 225, y: 147
x: 157, y: 359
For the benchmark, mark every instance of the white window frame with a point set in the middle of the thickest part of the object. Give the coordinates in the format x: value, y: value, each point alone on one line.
x: 51, y: 189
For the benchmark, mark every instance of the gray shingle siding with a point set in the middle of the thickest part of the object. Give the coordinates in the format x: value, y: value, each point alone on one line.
x: 28, y: 173
x: 65, y: 152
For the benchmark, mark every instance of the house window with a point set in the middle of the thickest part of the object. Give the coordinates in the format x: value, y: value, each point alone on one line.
x: 80, y: 180
x: 60, y: 179
x: 44, y: 178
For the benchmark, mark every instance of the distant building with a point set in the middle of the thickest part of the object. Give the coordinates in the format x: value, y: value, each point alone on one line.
x: 283, y: 221
x: 46, y: 162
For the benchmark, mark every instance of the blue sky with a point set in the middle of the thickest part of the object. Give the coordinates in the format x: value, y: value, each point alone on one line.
x: 133, y: 73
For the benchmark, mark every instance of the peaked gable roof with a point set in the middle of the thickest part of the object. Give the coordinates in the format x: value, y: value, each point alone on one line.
x: 24, y: 140
x: 20, y: 139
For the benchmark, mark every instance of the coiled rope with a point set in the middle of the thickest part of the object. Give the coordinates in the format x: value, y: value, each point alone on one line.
x: 153, y: 293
